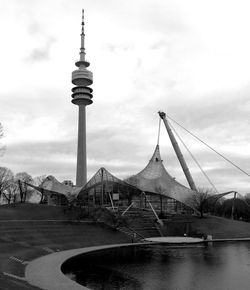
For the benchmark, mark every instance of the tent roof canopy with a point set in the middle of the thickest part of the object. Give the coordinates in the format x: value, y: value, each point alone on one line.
x: 103, y: 176
x: 155, y: 178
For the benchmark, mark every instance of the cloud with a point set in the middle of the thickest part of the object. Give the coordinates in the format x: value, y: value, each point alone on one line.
x: 35, y: 28
x: 41, y: 53
x: 56, y: 158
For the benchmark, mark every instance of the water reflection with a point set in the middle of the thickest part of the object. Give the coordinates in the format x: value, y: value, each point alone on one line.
x: 223, y: 266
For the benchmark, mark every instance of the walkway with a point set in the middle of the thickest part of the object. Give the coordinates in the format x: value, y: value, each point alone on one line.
x: 45, y: 272
x: 175, y: 240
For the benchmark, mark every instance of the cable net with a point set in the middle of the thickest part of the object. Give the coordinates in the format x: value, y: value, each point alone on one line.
x: 104, y: 181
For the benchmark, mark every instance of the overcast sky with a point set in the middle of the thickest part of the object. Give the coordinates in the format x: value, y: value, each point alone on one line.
x: 190, y: 59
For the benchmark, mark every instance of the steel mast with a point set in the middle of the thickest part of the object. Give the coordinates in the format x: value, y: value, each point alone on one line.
x: 178, y: 152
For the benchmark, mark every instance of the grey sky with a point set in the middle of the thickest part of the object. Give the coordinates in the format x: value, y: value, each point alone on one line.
x: 188, y: 58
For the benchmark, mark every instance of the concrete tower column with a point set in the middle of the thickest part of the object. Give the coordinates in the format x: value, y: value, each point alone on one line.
x: 81, y: 167
x: 82, y: 95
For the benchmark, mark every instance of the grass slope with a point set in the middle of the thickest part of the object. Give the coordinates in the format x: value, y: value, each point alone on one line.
x: 221, y: 228
x: 28, y: 211
x: 27, y: 240
x: 218, y: 227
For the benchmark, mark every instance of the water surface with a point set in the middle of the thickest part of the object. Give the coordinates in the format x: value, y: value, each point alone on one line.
x: 221, y: 266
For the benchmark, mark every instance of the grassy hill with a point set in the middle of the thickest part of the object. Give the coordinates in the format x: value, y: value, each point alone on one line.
x: 29, y: 211
x: 222, y: 228
x: 218, y: 227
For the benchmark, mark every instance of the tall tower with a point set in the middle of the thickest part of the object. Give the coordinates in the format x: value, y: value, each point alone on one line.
x: 82, y: 95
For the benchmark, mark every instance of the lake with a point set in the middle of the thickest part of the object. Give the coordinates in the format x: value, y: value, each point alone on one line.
x: 219, y: 266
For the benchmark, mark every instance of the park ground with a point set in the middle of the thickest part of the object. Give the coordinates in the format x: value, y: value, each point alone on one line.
x: 29, y: 231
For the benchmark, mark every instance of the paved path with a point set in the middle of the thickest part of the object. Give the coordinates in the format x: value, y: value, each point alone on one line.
x: 45, y: 272
x: 71, y: 221
x: 190, y: 240
x: 175, y: 240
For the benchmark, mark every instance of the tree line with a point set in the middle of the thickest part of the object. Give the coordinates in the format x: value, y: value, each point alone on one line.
x: 13, y: 187
x: 207, y: 202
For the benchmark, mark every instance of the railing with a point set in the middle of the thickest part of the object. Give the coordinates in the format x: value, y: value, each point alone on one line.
x: 135, y: 232
x: 127, y: 208
x: 153, y: 210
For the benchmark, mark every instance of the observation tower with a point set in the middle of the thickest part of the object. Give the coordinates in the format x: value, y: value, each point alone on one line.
x: 82, y: 78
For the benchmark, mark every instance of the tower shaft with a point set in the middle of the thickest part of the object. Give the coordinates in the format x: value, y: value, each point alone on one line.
x: 81, y: 167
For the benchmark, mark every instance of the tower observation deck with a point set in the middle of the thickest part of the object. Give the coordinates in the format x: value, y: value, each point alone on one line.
x: 82, y: 78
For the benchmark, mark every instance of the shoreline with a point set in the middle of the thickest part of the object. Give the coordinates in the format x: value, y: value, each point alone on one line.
x: 45, y: 272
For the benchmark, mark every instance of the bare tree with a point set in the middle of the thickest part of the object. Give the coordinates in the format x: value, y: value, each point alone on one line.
x: 11, y: 191
x: 38, y: 181
x: 6, y: 178
x: 200, y: 200
x: 247, y: 198
x: 2, y: 148
x: 22, y: 178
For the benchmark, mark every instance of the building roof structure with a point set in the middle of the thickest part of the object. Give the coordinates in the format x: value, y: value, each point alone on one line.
x: 154, y: 178
x: 51, y: 185
x: 103, y: 178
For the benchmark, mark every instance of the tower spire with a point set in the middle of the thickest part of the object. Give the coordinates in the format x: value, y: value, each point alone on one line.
x: 82, y: 49
x: 82, y: 61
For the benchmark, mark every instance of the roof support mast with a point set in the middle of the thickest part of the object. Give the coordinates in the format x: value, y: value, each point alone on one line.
x: 178, y: 152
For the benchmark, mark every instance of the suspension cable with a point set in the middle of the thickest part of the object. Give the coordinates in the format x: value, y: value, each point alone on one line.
x: 243, y: 199
x: 232, y: 163
x: 195, y: 160
x: 159, y: 130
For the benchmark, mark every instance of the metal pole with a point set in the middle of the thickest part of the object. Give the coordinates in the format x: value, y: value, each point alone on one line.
x: 94, y: 197
x: 153, y: 210
x: 127, y: 208
x: 161, y: 202
x: 178, y: 152
x: 102, y: 186
x: 111, y: 200
x: 233, y: 205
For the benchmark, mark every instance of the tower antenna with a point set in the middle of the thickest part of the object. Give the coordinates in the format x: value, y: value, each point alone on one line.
x: 82, y: 49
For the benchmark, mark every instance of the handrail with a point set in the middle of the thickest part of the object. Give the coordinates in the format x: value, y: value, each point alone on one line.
x: 158, y: 220
x: 135, y: 232
x: 111, y: 202
x: 127, y: 208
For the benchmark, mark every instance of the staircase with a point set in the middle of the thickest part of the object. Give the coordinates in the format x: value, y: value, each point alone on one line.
x: 140, y: 224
